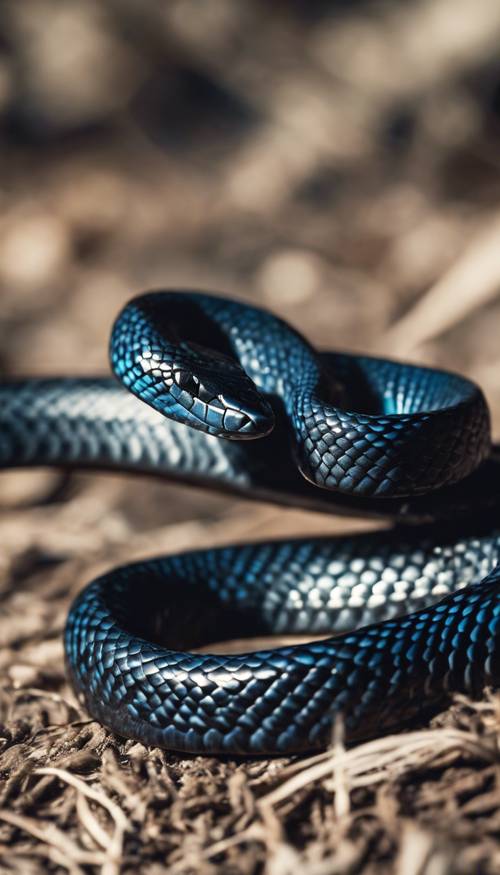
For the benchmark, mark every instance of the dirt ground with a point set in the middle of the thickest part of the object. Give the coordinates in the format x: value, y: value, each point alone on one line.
x: 339, y: 163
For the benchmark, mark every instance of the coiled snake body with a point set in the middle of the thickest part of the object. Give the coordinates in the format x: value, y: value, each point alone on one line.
x: 368, y: 436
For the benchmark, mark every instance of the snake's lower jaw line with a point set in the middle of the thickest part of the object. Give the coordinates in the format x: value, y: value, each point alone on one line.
x: 246, y: 414
x: 251, y: 425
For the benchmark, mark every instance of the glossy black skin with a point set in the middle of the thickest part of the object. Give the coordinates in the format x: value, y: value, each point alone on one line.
x: 380, y: 438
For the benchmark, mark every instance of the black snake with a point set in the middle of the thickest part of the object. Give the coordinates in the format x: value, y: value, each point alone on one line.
x: 368, y: 436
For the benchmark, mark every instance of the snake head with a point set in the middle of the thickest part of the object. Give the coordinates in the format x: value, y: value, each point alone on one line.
x: 161, y: 354
x: 216, y: 395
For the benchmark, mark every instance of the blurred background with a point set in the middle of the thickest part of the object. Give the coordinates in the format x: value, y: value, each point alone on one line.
x: 331, y: 160
x: 336, y: 161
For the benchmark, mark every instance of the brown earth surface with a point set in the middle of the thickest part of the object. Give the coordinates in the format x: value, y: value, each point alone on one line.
x: 339, y: 164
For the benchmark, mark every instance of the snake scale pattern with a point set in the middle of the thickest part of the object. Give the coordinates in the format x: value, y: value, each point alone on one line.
x: 412, y: 614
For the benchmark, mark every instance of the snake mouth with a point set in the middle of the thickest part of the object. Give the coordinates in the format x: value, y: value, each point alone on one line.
x: 249, y: 424
x: 246, y: 415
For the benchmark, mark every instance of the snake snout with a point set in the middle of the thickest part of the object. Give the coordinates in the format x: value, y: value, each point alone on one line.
x: 226, y: 405
x: 247, y: 417
x: 230, y: 404
x: 229, y: 407
x: 225, y: 395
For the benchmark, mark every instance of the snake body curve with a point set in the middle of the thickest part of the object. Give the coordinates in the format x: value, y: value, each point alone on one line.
x: 368, y: 436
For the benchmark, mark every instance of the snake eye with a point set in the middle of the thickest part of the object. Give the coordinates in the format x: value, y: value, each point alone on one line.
x: 188, y: 382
